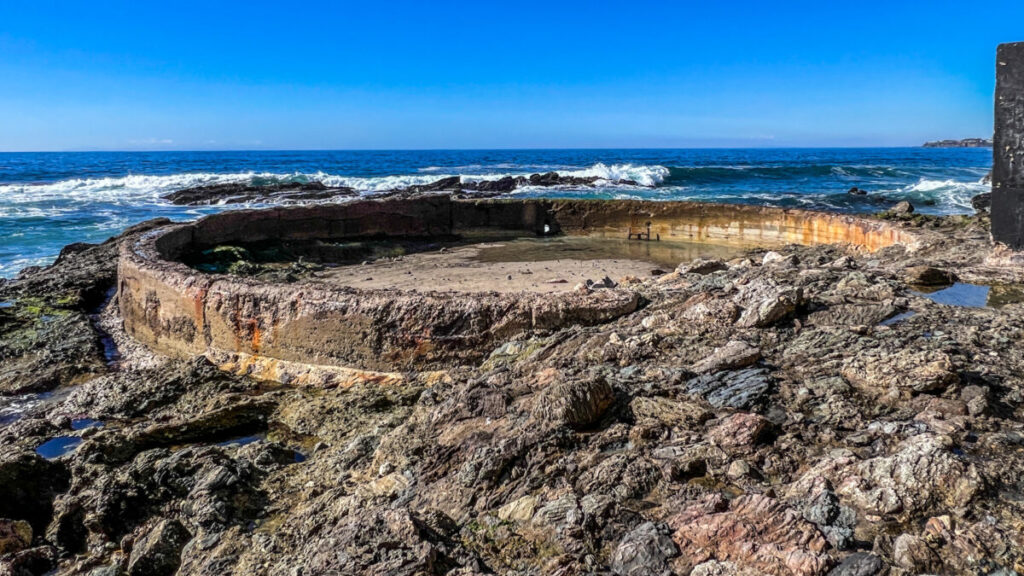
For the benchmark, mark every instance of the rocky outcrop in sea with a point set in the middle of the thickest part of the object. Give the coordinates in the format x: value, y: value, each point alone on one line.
x: 294, y: 192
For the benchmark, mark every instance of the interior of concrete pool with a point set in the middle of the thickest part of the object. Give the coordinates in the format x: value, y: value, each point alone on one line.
x: 503, y: 264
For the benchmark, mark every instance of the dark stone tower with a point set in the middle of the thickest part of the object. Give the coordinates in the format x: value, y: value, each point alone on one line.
x: 1008, y: 148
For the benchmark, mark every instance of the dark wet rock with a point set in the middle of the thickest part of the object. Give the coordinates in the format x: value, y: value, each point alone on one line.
x: 47, y: 339
x: 15, y: 536
x: 856, y: 191
x: 28, y: 486
x: 903, y: 207
x: 982, y: 203
x: 859, y: 564
x: 295, y: 192
x: 929, y: 276
x: 43, y: 347
x: 30, y: 562
x: 701, y: 266
x: 244, y: 193
x: 836, y: 522
x: 158, y: 551
x: 740, y: 389
x: 645, y: 551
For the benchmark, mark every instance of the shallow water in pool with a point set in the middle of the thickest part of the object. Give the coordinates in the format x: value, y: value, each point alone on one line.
x: 664, y: 254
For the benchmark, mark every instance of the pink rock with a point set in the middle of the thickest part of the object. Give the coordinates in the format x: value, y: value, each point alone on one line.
x: 757, y: 533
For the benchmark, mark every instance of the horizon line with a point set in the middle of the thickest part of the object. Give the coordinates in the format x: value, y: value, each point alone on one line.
x: 512, y: 149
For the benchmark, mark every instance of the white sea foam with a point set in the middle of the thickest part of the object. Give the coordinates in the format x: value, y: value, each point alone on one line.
x: 943, y: 192
x: 148, y: 189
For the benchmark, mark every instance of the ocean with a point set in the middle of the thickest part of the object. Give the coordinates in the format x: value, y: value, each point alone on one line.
x: 48, y: 200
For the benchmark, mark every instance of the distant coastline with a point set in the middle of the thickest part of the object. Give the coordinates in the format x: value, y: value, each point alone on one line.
x: 965, y: 143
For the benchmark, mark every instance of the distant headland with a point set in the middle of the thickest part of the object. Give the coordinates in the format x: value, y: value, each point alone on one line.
x: 965, y: 143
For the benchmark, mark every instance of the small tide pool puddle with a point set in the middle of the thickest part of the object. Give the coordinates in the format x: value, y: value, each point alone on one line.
x: 243, y: 440
x: 83, y: 423
x: 253, y: 439
x: 959, y: 294
x: 897, y: 318
x: 110, y: 351
x: 57, y: 447
x: 6, y: 304
x: 974, y: 295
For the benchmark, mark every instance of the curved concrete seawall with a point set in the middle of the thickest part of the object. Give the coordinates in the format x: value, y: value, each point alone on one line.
x: 311, y: 332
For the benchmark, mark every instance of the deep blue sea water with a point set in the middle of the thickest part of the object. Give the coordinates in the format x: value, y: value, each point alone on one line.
x: 48, y: 200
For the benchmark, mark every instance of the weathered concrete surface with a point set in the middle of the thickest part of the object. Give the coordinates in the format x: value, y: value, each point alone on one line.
x: 272, y: 330
x: 1008, y: 148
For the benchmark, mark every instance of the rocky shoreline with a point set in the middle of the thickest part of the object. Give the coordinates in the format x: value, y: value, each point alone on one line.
x: 805, y: 411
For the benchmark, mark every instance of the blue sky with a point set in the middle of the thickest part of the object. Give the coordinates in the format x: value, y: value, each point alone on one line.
x: 102, y: 75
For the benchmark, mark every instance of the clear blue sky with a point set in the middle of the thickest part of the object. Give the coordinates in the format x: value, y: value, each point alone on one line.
x: 477, y: 74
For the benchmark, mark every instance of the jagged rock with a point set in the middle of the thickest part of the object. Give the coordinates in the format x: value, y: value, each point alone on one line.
x: 158, y: 551
x: 982, y: 203
x: 908, y: 371
x: 755, y: 533
x: 702, y: 266
x: 921, y: 472
x: 856, y: 191
x: 645, y: 551
x: 741, y: 389
x: 519, y: 510
x: 669, y: 412
x: 244, y: 193
x: 577, y: 404
x: 15, y: 536
x: 902, y: 208
x: 735, y: 354
x: 739, y: 432
x: 28, y: 486
x: 913, y: 553
x: 772, y: 309
x: 835, y: 522
x: 772, y: 258
x: 859, y: 564
x: 929, y: 276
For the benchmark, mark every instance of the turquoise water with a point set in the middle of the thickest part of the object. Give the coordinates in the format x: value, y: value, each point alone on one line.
x: 48, y: 200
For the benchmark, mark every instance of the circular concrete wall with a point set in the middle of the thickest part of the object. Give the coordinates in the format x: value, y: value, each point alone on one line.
x: 313, y: 333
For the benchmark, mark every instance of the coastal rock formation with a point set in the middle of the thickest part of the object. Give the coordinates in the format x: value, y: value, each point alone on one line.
x: 807, y: 412
x: 241, y: 193
x: 298, y: 192
x: 965, y: 143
